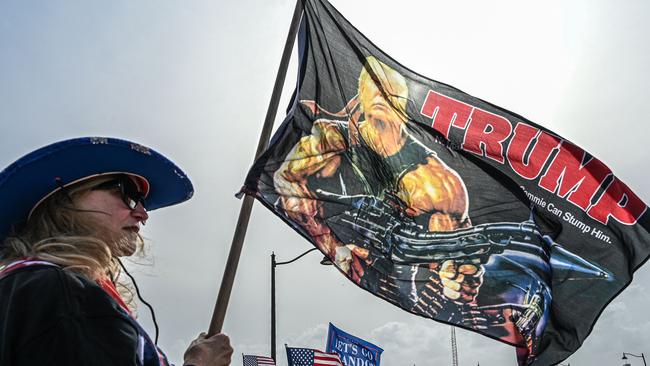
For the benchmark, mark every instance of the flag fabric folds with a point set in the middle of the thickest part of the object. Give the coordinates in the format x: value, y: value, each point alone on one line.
x: 252, y: 360
x: 311, y: 357
x: 446, y: 205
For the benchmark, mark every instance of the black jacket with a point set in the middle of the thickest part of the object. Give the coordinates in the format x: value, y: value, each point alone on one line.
x: 52, y: 317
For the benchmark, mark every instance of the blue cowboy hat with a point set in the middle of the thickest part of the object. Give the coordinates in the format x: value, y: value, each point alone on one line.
x: 37, y: 175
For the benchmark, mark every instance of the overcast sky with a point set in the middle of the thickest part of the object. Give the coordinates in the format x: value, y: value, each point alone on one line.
x: 192, y: 79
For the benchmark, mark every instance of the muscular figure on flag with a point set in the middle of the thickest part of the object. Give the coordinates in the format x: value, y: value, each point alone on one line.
x: 330, y: 162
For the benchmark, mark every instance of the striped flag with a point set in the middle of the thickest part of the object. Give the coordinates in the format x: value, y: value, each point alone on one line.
x: 312, y: 357
x: 251, y: 360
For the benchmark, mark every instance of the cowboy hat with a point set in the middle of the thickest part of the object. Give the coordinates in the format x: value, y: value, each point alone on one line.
x: 37, y: 175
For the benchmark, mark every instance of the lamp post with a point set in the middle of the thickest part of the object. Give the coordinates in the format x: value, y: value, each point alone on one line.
x: 325, y: 261
x: 632, y: 354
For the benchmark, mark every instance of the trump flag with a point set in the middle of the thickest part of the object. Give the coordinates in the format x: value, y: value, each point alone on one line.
x: 352, y: 350
x: 443, y: 204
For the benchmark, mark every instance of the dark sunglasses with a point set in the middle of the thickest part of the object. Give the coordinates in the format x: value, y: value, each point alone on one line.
x: 129, y: 191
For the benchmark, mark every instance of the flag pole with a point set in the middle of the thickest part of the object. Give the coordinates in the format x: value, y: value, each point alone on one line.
x: 228, y: 279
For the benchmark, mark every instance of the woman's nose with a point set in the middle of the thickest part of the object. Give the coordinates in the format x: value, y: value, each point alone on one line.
x: 140, y: 213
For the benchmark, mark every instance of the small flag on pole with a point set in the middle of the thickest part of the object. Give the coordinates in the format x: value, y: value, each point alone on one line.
x: 311, y: 357
x: 252, y: 360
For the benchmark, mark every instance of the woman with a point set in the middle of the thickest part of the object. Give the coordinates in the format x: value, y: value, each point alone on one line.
x: 70, y: 210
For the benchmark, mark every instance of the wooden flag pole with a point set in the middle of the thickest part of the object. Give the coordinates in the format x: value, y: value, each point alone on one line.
x: 228, y: 279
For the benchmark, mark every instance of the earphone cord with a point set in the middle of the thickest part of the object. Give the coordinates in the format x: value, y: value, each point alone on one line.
x: 137, y: 291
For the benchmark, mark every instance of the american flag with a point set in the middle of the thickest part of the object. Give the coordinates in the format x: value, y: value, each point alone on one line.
x: 312, y: 357
x: 250, y: 360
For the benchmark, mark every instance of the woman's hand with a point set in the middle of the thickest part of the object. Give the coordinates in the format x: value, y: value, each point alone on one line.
x: 212, y: 351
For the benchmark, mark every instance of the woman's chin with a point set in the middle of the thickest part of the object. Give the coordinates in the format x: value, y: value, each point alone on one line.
x: 125, y: 246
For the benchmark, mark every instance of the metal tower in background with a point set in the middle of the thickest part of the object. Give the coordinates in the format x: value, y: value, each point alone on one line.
x: 454, y: 350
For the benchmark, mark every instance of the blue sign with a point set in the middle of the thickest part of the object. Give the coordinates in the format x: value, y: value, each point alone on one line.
x: 352, y: 350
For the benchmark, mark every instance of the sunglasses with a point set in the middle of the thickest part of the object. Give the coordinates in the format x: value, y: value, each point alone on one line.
x: 129, y: 191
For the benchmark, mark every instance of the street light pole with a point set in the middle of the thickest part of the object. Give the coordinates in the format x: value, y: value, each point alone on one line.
x: 273, y: 265
x: 632, y: 354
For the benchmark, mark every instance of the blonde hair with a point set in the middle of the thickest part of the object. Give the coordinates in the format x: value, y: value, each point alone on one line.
x: 62, y: 234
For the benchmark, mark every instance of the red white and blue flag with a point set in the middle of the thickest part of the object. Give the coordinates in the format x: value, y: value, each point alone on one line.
x: 311, y: 357
x: 252, y: 360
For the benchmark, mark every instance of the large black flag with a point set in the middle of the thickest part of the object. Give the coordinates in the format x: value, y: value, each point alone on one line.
x: 446, y: 205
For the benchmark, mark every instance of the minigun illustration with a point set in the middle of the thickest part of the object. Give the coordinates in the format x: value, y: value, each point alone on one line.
x: 382, y: 224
